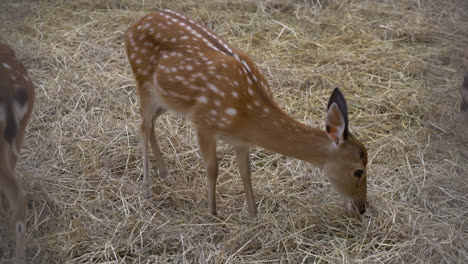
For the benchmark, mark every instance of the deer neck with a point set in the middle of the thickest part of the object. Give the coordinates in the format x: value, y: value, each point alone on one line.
x: 282, y: 134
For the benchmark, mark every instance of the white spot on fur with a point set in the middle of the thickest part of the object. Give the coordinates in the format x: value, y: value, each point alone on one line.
x: 213, y: 88
x: 19, y: 110
x: 231, y: 111
x: 194, y: 87
x: 202, y: 99
x: 7, y: 66
x: 203, y: 77
x: 245, y: 65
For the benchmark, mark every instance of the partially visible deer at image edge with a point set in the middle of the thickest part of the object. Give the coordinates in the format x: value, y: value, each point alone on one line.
x: 183, y: 67
x: 16, y: 104
x: 464, y: 87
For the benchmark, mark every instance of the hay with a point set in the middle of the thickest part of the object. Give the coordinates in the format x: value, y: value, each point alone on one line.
x: 398, y: 63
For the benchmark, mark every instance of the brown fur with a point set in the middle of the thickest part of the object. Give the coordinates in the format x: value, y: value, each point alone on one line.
x: 16, y: 95
x: 185, y: 68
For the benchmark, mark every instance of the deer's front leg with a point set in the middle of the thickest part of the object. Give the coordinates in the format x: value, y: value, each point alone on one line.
x: 243, y: 160
x: 207, y: 143
x: 16, y: 197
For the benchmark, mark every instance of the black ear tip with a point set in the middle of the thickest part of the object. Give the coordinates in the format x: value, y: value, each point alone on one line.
x: 336, y: 92
x: 337, y: 97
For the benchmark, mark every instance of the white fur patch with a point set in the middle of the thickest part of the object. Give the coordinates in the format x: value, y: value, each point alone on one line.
x: 231, y: 111
x: 2, y: 113
x: 19, y: 110
x: 7, y: 66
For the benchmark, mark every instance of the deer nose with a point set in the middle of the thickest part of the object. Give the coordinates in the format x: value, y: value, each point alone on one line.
x: 362, y: 207
x: 363, y: 210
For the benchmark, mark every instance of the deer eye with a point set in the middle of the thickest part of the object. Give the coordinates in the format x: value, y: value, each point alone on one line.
x: 358, y: 173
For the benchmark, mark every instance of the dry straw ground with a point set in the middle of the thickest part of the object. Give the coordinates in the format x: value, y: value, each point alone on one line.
x: 398, y: 62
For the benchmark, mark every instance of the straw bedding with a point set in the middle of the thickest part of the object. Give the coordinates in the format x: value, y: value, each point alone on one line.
x: 399, y: 63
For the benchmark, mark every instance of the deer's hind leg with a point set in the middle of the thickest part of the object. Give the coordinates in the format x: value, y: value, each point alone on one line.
x: 150, y: 110
x: 160, y: 163
x: 207, y: 143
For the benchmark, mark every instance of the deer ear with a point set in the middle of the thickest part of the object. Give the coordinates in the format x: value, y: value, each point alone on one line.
x: 336, y: 122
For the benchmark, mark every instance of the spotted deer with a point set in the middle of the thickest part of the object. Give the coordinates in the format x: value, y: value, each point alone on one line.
x: 183, y: 67
x: 16, y: 104
x: 464, y: 87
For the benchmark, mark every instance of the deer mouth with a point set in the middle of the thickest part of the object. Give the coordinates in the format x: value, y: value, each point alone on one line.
x: 353, y: 209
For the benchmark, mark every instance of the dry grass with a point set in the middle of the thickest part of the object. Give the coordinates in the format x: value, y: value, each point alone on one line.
x: 398, y: 63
